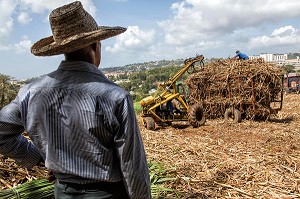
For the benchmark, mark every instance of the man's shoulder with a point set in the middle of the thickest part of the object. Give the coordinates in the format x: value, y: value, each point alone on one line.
x: 94, y: 84
x: 115, y: 90
x: 34, y: 83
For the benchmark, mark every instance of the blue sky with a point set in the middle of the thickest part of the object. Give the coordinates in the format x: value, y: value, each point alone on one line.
x: 157, y: 30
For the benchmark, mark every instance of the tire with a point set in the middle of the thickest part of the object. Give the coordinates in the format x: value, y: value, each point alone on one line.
x: 196, y: 116
x: 149, y: 123
x: 233, y: 114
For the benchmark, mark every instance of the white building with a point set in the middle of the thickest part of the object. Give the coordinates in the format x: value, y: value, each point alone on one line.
x: 252, y: 57
x: 279, y: 57
x: 269, y: 57
x: 293, y: 62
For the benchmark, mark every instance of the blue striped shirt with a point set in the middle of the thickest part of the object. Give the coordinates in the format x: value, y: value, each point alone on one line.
x: 82, y: 124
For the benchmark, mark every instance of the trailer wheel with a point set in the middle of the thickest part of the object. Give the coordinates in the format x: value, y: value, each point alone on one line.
x: 233, y: 114
x: 149, y: 123
x: 196, y: 116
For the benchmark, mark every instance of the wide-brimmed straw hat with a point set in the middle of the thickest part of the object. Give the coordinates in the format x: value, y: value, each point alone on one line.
x: 73, y: 28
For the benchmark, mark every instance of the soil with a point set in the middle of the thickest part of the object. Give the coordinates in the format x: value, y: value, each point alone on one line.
x: 251, y: 159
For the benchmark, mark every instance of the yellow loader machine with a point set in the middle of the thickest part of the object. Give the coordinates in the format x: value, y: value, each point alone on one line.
x: 171, y: 104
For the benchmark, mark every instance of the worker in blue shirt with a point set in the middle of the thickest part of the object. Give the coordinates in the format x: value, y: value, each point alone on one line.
x: 240, y: 55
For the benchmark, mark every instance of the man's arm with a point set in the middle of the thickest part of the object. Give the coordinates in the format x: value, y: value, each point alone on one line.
x: 12, y: 143
x: 131, y: 152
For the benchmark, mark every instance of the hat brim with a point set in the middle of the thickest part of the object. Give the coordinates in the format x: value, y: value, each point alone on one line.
x: 48, y: 47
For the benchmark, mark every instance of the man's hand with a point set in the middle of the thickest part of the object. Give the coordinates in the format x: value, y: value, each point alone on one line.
x: 41, y: 163
x: 51, y: 176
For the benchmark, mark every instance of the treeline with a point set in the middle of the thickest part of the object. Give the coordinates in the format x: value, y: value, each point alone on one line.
x: 143, y: 66
x: 139, y: 84
x: 8, y: 90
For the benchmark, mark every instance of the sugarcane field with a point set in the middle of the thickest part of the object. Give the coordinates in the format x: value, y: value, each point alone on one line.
x: 251, y: 159
x: 254, y: 156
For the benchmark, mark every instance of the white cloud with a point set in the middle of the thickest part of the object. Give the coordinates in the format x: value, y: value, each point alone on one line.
x: 203, y: 20
x: 140, y: 46
x: 22, y: 9
x: 24, y: 18
x: 199, y: 47
x: 24, y: 45
x: 284, y: 31
x: 6, y: 20
x: 133, y: 39
x: 6, y: 28
x: 283, y: 36
x: 46, y: 5
x: 2, y: 47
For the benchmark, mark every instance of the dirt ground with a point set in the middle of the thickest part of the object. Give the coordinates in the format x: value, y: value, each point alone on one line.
x: 218, y: 160
x: 221, y: 159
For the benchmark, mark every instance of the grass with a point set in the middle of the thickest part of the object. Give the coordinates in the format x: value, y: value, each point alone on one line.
x: 137, y: 107
x: 34, y: 189
x: 158, y: 177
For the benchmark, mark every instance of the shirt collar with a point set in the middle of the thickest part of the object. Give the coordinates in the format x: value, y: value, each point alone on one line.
x: 78, y: 66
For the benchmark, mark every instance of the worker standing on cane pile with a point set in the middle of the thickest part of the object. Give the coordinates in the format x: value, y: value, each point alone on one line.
x: 239, y: 55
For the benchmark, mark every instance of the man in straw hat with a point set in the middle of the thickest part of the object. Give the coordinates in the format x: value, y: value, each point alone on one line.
x: 82, y: 124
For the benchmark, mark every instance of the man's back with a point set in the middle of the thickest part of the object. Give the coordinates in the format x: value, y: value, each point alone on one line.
x: 73, y: 109
x: 85, y: 127
x: 81, y: 124
x: 242, y: 56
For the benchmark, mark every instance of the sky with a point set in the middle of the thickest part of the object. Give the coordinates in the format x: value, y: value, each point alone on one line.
x: 156, y: 30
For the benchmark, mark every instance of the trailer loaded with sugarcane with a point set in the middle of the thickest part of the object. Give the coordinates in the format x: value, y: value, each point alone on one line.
x: 237, y: 89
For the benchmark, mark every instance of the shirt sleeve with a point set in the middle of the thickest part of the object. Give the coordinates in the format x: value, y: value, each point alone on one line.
x: 12, y: 143
x: 131, y: 152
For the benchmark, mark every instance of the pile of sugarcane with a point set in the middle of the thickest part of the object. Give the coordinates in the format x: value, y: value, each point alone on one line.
x: 43, y: 189
x: 34, y: 189
x: 248, y: 85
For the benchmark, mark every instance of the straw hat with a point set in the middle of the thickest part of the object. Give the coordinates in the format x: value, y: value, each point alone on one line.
x: 73, y: 28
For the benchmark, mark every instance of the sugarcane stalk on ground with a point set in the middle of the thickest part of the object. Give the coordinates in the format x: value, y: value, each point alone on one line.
x: 43, y: 189
x: 34, y: 189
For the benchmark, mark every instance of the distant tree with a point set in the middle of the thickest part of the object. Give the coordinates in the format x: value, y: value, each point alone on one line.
x: 293, y: 55
x: 29, y: 80
x: 112, y: 78
x: 8, y: 90
x: 126, y: 86
x: 123, y: 76
x: 288, y: 68
x: 150, y: 79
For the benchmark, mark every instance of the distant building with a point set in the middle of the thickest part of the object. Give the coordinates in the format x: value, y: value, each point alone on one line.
x: 152, y: 91
x: 115, y: 74
x: 252, y: 57
x: 293, y: 62
x: 267, y: 57
x: 278, y: 59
